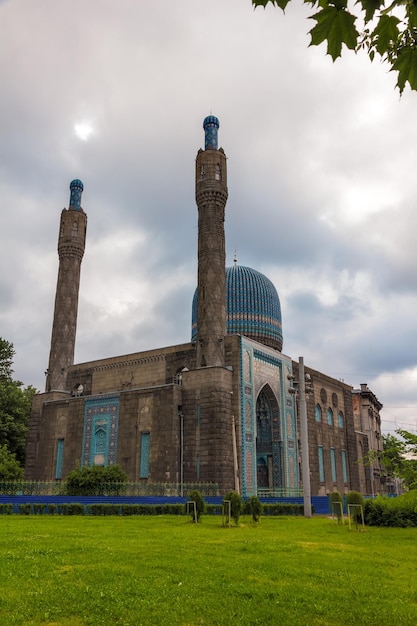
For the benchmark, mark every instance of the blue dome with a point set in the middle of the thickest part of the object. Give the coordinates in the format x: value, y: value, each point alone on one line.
x: 252, y: 307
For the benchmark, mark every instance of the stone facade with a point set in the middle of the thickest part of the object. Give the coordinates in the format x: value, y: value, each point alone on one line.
x: 220, y: 409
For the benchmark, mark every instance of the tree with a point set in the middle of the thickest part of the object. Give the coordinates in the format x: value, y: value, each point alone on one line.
x: 6, y: 360
x: 200, y: 505
x: 10, y: 468
x: 235, y: 505
x: 388, y: 31
x: 15, y: 404
x: 96, y: 481
x: 409, y: 468
x: 398, y: 457
x: 255, y: 507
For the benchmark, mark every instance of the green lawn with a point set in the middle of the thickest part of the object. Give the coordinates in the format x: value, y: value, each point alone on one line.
x: 166, y: 570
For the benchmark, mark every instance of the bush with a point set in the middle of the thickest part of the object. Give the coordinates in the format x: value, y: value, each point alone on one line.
x: 335, y: 499
x: 400, y: 511
x: 283, y: 508
x: 96, y: 481
x: 200, y: 504
x: 253, y: 507
x: 354, y: 497
x: 235, y: 505
x: 70, y: 508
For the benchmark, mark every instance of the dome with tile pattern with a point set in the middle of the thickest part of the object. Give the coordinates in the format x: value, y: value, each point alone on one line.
x: 252, y: 307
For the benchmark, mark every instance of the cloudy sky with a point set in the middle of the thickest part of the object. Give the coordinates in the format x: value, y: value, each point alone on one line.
x: 321, y: 175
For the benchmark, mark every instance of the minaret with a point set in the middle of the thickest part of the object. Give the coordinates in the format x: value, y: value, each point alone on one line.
x: 71, y: 245
x: 211, y: 197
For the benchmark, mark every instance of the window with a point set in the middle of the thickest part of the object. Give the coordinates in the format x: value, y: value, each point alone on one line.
x: 333, y: 464
x: 59, y: 459
x: 344, y: 466
x: 321, y: 464
x: 198, y: 415
x: 340, y: 419
x: 330, y: 416
x: 317, y: 412
x: 144, y: 455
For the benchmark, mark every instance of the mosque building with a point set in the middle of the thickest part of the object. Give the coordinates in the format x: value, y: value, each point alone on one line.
x: 220, y: 409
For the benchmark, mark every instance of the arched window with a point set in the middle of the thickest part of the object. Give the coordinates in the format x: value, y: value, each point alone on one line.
x: 340, y: 420
x: 330, y: 416
x: 317, y: 411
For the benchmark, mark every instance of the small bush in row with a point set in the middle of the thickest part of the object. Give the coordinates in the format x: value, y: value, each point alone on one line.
x: 6, y: 509
x: 283, y: 508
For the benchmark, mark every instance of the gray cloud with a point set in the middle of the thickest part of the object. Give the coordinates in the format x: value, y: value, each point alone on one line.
x: 320, y: 167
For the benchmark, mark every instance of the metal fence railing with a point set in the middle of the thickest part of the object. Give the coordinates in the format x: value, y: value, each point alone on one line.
x: 57, y: 488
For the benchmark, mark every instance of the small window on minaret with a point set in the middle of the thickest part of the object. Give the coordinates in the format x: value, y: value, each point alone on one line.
x: 75, y: 229
x: 218, y: 172
x: 203, y: 171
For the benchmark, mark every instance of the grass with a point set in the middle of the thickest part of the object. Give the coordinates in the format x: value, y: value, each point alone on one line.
x: 78, y: 571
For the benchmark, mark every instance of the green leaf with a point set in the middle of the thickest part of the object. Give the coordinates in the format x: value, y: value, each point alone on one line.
x: 412, y: 15
x: 263, y: 3
x: 370, y: 6
x: 337, y: 27
x: 406, y: 66
x: 386, y: 33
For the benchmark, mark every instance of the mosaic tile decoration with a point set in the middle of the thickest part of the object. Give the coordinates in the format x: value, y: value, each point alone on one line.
x: 268, y: 379
x: 101, y: 422
x: 211, y: 125
x: 76, y: 189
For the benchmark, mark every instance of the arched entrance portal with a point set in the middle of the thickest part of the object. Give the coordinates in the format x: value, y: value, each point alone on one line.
x: 268, y: 441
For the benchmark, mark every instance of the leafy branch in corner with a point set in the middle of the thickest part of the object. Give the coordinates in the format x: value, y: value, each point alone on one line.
x: 388, y: 31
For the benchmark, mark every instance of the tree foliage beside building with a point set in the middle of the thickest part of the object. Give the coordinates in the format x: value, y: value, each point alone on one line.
x: 388, y: 31
x: 15, y: 404
x: 398, y: 457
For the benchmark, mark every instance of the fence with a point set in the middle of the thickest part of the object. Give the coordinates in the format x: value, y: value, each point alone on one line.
x: 56, y: 488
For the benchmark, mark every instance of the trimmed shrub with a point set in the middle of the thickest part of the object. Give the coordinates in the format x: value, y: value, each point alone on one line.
x: 70, y: 508
x: 335, y: 499
x: 39, y: 509
x: 25, y: 509
x: 400, y: 512
x: 6, y: 509
x: 200, y: 504
x: 284, y: 508
x: 354, y: 497
x: 235, y: 505
x: 253, y: 507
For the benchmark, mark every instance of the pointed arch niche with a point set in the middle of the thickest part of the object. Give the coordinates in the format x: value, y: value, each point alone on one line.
x: 268, y: 441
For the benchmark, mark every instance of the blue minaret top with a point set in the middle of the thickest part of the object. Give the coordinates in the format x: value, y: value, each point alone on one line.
x: 76, y: 188
x: 211, y: 125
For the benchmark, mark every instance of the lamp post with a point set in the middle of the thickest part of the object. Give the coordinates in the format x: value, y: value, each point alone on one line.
x: 300, y: 390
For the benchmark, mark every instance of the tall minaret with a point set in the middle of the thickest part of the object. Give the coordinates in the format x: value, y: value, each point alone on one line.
x: 211, y: 197
x: 71, y: 245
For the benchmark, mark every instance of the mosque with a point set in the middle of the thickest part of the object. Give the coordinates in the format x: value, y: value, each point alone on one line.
x: 222, y: 409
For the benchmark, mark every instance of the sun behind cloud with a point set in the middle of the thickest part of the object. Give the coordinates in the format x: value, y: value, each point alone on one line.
x: 83, y: 130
